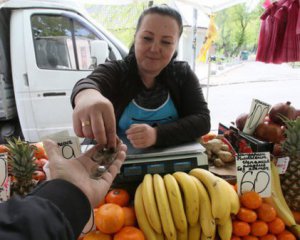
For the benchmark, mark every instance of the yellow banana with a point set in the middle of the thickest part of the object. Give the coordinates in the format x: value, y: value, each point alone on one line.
x: 206, y: 219
x: 277, y: 199
x: 233, y: 197
x: 195, y: 232
x: 219, y: 197
x: 176, y: 203
x: 204, y: 237
x: 182, y: 235
x: 150, y: 204
x: 295, y: 229
x: 191, y: 196
x: 141, y: 217
x: 164, y: 207
x: 225, y: 230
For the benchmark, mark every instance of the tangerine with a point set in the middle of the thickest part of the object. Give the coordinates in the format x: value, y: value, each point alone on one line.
x: 266, y: 212
x: 268, y: 237
x: 276, y: 226
x: 249, y: 237
x: 240, y: 228
x: 251, y: 200
x: 39, y: 150
x: 296, y: 215
x: 129, y: 233
x: 235, y: 238
x: 118, y: 196
x: 259, y: 228
x: 3, y: 148
x: 109, y: 218
x: 286, y: 235
x: 130, y: 217
x: 246, y: 215
x: 97, y: 235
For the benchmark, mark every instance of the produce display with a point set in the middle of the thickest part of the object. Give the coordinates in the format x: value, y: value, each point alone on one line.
x: 196, y: 204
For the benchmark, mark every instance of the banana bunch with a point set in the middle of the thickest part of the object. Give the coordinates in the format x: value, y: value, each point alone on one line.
x: 277, y: 200
x: 185, y: 206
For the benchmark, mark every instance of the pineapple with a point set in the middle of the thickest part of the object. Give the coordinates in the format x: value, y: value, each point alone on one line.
x: 290, y: 181
x: 22, y: 162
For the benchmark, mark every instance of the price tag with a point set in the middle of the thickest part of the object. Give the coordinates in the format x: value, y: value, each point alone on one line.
x: 258, y: 112
x: 254, y: 173
x: 282, y: 164
x: 69, y: 146
x: 4, y: 179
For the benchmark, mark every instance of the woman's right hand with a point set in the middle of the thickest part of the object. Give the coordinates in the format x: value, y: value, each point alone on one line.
x: 94, y: 118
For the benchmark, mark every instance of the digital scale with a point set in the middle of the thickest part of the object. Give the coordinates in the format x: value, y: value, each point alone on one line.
x: 160, y: 160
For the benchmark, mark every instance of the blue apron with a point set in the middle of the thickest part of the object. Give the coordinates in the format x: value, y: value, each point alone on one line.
x: 134, y: 113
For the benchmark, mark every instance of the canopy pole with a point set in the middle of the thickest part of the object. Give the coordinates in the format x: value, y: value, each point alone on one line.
x: 194, y: 45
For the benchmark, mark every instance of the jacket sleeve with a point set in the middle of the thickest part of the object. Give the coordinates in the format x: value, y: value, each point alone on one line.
x: 54, y: 210
x: 194, y: 115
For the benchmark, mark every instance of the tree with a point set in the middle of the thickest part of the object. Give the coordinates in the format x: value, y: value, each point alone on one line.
x: 238, y: 29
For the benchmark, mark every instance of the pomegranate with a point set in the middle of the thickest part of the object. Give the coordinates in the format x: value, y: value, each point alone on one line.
x: 241, y: 121
x: 282, y: 109
x: 269, y: 132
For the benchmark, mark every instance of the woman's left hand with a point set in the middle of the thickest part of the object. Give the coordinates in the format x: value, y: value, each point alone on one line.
x: 141, y: 135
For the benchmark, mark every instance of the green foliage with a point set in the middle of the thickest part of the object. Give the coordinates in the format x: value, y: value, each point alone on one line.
x: 238, y: 29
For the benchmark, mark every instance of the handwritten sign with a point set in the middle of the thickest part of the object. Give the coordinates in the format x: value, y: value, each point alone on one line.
x: 69, y: 146
x: 258, y: 112
x: 254, y: 173
x: 4, y: 179
x: 282, y: 164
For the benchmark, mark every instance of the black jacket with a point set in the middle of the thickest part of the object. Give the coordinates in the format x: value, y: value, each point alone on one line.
x: 120, y: 83
x: 55, y: 210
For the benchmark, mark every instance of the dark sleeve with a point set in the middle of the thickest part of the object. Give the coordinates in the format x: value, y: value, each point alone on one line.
x: 194, y: 115
x: 54, y: 210
x: 105, y: 79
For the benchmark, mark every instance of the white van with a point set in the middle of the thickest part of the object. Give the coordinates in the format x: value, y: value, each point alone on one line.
x: 45, y: 48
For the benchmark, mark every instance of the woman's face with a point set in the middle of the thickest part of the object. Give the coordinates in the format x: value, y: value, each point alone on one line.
x: 155, y: 43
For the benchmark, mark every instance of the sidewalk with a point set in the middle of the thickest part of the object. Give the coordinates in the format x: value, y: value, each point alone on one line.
x: 216, y: 70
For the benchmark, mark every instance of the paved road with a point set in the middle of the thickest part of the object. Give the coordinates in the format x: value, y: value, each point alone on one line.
x: 231, y: 92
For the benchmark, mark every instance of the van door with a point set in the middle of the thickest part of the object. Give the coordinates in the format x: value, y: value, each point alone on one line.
x: 56, y: 54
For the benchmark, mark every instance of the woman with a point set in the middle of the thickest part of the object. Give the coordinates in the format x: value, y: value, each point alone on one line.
x: 148, y: 97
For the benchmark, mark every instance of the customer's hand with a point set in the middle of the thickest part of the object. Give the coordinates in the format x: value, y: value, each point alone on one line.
x: 94, y: 118
x: 141, y: 135
x: 77, y: 171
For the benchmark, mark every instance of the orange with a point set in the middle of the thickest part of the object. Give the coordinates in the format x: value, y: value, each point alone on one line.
x: 109, y: 218
x: 235, y: 238
x: 129, y: 233
x: 240, y: 228
x: 286, y: 235
x: 118, y: 196
x: 259, y: 228
x: 97, y: 235
x: 130, y: 217
x: 266, y: 212
x: 297, y: 216
x: 268, y: 237
x: 39, y: 151
x: 249, y: 237
x: 276, y: 226
x: 247, y: 215
x: 3, y: 149
x: 251, y: 200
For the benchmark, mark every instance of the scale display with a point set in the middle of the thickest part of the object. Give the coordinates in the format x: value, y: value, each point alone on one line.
x: 161, y: 161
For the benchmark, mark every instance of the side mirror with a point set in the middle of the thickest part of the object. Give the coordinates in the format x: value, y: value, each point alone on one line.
x: 99, y: 51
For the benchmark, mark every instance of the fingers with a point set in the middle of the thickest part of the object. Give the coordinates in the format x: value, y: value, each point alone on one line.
x: 141, y: 135
x: 52, y: 150
x: 114, y: 168
x: 110, y: 127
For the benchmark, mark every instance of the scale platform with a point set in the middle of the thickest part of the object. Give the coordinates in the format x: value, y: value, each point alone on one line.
x: 160, y: 160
